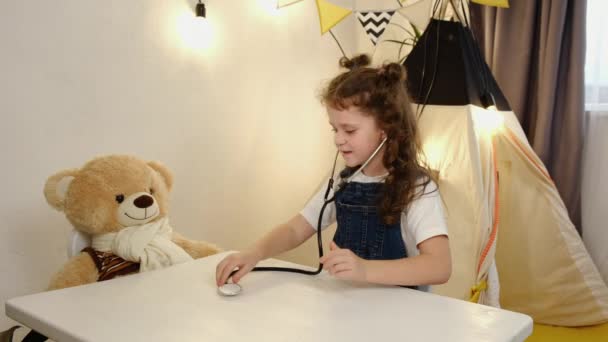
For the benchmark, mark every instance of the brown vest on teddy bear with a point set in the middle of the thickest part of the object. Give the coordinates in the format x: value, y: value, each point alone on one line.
x: 110, y: 266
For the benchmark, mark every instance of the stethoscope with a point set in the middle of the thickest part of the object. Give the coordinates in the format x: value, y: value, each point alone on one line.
x: 232, y: 289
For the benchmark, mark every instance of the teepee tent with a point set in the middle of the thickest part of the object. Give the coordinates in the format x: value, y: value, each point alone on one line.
x: 511, y: 238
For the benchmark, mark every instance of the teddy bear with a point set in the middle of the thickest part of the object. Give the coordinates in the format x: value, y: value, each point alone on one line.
x: 121, y: 202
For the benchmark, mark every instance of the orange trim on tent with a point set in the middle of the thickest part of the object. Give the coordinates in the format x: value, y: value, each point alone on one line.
x: 492, y: 238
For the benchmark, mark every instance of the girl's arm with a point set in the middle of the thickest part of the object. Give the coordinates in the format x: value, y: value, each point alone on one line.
x: 284, y: 237
x: 432, y: 266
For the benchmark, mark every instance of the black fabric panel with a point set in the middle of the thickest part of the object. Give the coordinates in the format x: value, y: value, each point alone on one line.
x: 445, y: 68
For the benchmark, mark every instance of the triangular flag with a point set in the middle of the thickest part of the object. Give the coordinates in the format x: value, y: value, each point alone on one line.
x: 418, y: 13
x: 284, y: 3
x: 374, y: 23
x: 330, y: 15
x: 496, y: 3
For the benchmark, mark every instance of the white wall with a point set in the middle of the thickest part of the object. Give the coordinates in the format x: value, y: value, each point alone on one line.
x: 235, y: 116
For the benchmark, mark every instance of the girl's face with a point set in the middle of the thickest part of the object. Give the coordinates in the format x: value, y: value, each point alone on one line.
x: 357, y: 135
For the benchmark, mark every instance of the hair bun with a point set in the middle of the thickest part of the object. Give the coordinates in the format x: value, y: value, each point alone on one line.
x: 393, y: 73
x: 355, y: 62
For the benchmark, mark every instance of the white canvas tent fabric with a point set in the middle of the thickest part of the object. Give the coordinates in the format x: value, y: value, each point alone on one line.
x: 545, y: 269
x: 462, y: 157
x: 504, y: 211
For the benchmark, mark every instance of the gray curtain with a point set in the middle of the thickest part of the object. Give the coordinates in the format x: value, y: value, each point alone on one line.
x: 536, y: 51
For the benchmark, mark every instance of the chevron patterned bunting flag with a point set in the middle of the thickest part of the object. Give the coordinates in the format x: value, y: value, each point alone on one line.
x: 374, y: 23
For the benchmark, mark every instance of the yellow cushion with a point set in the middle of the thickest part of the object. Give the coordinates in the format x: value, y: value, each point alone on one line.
x: 547, y: 333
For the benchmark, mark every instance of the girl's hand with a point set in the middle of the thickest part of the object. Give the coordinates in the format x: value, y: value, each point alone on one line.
x: 344, y: 264
x: 244, y: 261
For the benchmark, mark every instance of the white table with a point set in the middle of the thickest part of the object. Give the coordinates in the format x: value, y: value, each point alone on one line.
x: 181, y: 303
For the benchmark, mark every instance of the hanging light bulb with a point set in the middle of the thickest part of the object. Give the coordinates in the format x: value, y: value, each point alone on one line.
x: 201, y: 11
x: 195, y: 32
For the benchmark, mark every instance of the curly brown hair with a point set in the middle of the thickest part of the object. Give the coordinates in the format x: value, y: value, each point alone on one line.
x: 381, y: 92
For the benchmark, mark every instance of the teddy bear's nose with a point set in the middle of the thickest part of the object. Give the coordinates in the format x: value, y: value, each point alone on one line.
x: 143, y: 201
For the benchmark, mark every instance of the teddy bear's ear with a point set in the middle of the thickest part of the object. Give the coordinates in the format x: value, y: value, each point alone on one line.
x: 56, y: 187
x: 164, y: 172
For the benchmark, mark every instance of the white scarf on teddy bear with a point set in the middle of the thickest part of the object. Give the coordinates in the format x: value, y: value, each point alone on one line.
x: 150, y: 245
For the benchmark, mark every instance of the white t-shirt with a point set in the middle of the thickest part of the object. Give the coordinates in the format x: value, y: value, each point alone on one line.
x: 423, y: 219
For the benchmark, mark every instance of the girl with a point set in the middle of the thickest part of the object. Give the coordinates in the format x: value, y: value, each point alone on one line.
x: 391, y: 227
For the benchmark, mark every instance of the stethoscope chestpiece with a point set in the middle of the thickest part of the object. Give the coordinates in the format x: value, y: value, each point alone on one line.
x: 229, y: 289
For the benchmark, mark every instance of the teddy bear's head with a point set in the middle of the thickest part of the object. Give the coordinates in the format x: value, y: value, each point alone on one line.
x: 111, y: 192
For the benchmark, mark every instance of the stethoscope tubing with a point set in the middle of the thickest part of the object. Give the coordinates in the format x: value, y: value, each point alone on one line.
x: 326, y: 201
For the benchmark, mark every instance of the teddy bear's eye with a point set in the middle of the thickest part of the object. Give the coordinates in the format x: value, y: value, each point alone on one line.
x: 120, y: 198
x: 151, y: 191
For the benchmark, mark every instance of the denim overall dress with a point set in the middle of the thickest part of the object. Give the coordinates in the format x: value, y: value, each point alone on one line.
x: 360, y: 227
